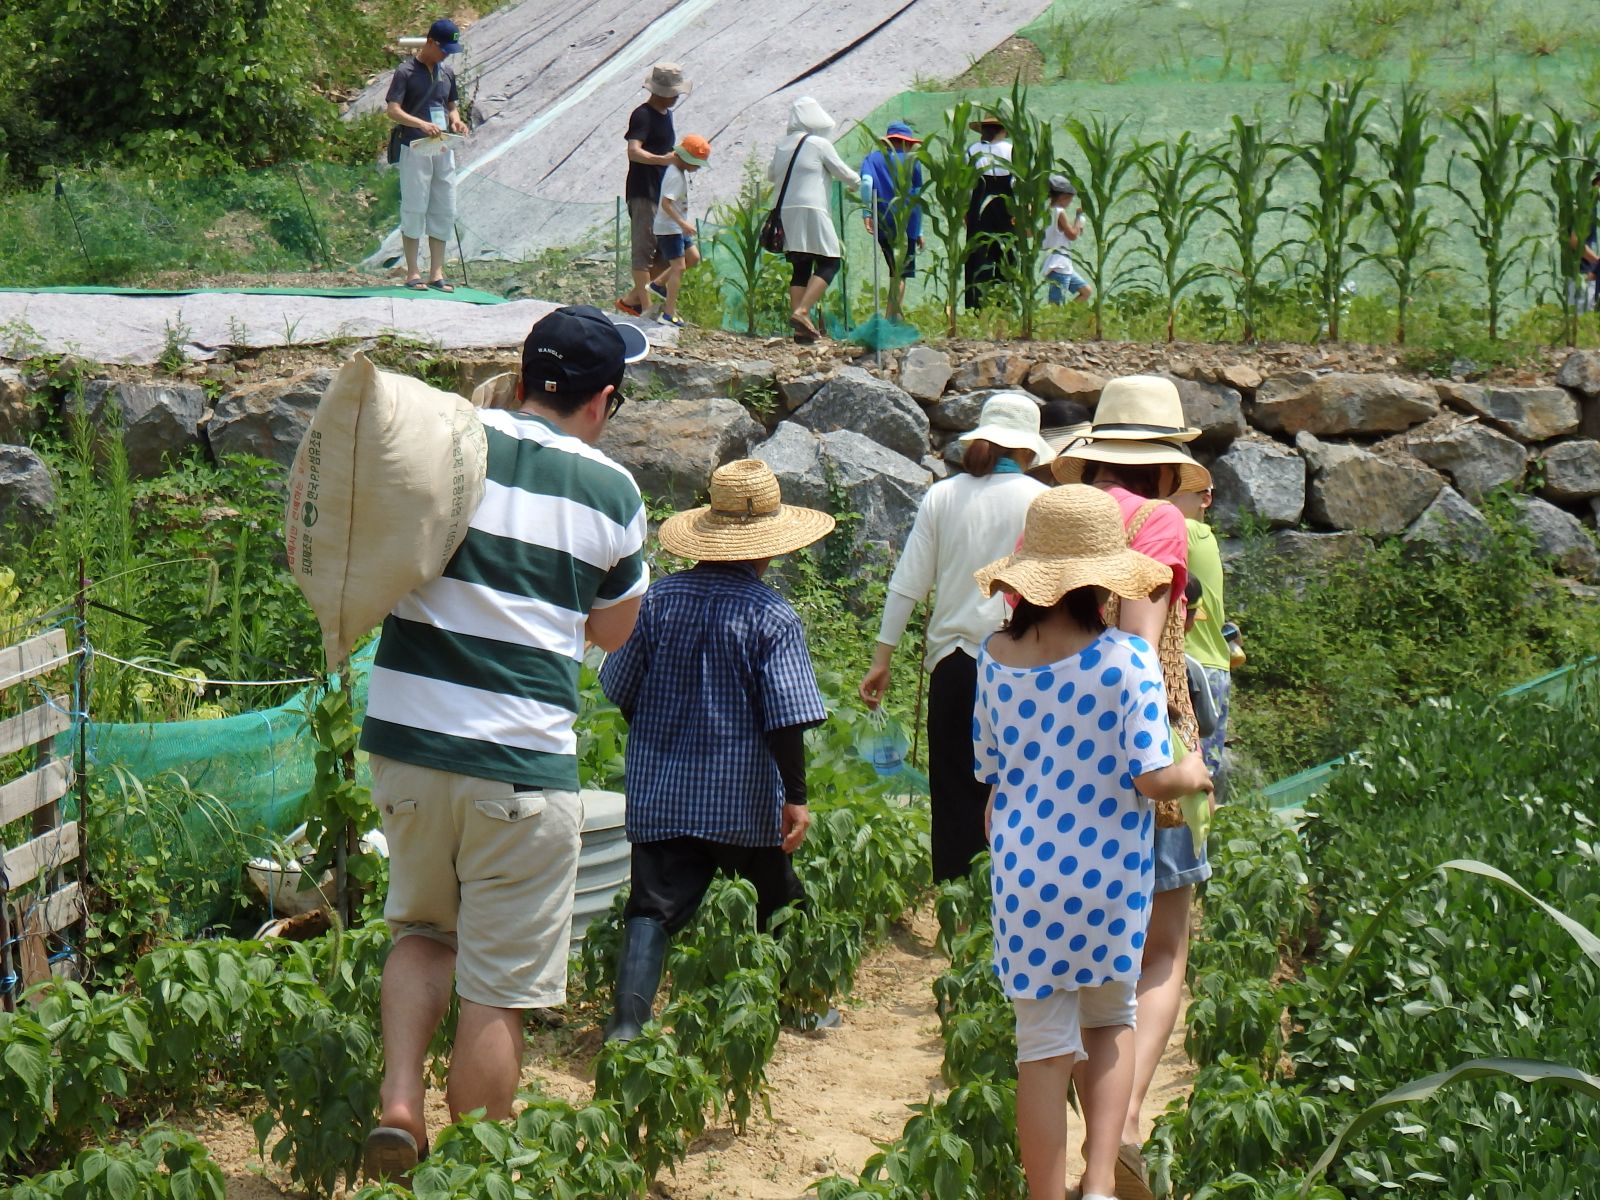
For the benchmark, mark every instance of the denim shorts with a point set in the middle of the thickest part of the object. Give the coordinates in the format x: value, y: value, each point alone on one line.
x: 1176, y: 863
x: 673, y: 245
x: 1071, y: 281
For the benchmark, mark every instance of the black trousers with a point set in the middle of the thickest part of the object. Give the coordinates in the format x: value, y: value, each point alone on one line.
x: 957, y: 798
x: 670, y: 877
x: 989, y: 230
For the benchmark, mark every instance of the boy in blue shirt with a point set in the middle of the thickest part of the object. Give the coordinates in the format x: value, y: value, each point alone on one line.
x: 896, y: 215
x: 718, y: 690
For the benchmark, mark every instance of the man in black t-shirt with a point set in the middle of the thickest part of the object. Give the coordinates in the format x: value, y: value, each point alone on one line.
x: 423, y: 102
x: 650, y: 139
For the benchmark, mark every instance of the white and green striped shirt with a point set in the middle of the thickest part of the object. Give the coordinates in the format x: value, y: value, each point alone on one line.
x: 477, y: 671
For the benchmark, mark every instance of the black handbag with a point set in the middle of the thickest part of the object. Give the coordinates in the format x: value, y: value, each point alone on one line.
x: 772, y: 227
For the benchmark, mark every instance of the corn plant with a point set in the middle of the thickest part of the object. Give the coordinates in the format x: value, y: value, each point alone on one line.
x: 1398, y: 207
x: 1572, y: 154
x: 951, y: 180
x: 738, y: 236
x: 1498, y: 162
x: 1032, y: 154
x: 1340, y: 193
x: 1179, y: 191
x: 1110, y: 157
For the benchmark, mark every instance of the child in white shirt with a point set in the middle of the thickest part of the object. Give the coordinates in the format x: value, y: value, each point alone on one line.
x: 673, y: 229
x: 1058, y: 238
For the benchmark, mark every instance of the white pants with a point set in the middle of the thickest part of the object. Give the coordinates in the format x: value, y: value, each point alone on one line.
x: 1054, y: 1026
x: 427, y: 194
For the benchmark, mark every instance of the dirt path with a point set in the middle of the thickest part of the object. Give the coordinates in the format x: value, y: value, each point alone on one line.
x: 835, y: 1095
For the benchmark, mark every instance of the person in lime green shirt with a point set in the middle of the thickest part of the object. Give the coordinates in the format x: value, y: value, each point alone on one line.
x: 1204, y: 641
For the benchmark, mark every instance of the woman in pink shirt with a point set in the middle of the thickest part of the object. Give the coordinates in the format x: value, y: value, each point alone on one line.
x: 1134, y: 451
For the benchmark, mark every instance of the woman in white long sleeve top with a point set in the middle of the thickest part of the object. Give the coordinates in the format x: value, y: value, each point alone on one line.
x: 811, y: 244
x: 964, y: 523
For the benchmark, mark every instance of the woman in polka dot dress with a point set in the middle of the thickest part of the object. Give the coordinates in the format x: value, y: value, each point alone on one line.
x: 1070, y: 731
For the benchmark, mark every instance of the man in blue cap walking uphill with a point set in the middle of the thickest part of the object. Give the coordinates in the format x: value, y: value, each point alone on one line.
x: 423, y: 102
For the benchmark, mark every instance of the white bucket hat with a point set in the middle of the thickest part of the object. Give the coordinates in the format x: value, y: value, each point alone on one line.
x: 666, y: 79
x: 1011, y: 419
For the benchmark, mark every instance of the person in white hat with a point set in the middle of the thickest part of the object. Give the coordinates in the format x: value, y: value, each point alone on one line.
x: 800, y: 167
x: 963, y: 522
x: 1135, y: 449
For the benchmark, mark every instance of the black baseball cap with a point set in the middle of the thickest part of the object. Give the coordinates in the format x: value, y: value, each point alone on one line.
x: 444, y: 32
x: 578, y: 350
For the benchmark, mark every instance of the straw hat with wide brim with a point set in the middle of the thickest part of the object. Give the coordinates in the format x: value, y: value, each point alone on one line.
x: 985, y: 119
x: 746, y: 519
x: 1072, y: 537
x: 1011, y: 419
x: 1138, y: 421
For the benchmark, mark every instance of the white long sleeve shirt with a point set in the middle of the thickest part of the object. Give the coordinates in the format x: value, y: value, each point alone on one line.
x: 963, y: 524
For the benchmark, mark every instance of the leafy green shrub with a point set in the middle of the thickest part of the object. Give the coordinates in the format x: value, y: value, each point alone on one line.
x: 163, y: 1165
x: 662, y: 1095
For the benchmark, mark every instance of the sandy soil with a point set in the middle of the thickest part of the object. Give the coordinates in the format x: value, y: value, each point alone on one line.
x: 835, y: 1095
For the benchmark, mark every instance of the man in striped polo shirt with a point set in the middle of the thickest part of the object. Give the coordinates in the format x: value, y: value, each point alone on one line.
x: 470, y: 730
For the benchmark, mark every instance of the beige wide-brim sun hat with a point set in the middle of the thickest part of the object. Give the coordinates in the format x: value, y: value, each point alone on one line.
x: 1138, y: 421
x: 1072, y: 537
x: 746, y: 519
x: 1011, y: 419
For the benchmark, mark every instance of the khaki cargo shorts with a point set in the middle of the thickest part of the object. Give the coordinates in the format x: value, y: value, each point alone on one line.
x: 486, y: 869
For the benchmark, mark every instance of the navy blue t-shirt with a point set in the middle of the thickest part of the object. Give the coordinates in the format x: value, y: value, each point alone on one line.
x: 418, y: 89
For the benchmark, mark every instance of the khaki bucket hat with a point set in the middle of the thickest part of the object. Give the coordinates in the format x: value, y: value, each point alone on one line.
x: 667, y: 79
x: 1072, y: 537
x: 746, y: 519
x: 1137, y: 422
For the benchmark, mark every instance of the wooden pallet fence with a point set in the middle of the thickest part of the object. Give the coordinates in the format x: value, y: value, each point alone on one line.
x: 40, y: 891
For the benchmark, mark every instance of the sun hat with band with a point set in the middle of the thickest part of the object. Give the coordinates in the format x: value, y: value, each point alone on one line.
x: 1011, y: 419
x: 667, y: 79
x: 746, y: 519
x: 1137, y: 422
x: 1071, y: 538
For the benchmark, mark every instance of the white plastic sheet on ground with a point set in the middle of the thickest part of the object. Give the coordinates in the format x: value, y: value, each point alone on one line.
x: 553, y: 84
x: 136, y: 329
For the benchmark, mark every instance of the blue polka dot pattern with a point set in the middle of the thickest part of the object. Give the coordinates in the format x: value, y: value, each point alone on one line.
x: 1071, y: 841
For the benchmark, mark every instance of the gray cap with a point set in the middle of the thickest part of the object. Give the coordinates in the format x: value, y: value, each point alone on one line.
x: 1063, y: 185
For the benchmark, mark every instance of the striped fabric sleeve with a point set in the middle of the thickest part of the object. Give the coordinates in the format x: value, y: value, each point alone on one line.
x: 630, y: 575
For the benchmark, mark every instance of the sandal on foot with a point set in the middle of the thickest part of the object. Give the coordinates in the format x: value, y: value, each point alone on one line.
x: 804, y: 330
x: 439, y: 285
x: 624, y: 307
x: 1132, y: 1176
x: 390, y: 1153
x: 415, y: 285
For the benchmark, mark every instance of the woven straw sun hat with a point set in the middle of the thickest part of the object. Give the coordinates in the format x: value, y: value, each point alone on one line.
x: 746, y: 519
x: 1071, y: 538
x: 1137, y: 422
x: 1011, y: 419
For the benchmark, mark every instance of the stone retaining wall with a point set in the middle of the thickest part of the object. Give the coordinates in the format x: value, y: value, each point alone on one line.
x: 1323, y: 459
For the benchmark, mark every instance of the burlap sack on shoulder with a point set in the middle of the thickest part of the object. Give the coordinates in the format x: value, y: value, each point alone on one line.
x: 382, y: 488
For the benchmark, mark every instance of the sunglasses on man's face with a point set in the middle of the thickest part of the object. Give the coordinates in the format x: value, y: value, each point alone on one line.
x: 615, y: 402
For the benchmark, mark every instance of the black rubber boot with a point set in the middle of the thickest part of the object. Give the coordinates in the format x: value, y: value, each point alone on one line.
x: 644, y: 948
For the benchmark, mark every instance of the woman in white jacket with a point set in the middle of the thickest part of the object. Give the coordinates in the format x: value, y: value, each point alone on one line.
x: 978, y: 511
x: 811, y: 244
